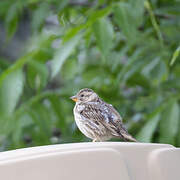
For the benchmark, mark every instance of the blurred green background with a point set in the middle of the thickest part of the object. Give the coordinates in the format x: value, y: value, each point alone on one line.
x: 127, y: 51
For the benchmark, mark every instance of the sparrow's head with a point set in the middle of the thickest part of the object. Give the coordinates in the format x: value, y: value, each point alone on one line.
x: 85, y: 95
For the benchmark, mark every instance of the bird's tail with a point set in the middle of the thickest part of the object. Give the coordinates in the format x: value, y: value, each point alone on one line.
x: 125, y: 135
x: 128, y: 137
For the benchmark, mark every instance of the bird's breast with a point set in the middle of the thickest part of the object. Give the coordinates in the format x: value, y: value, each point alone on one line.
x: 77, y: 115
x: 81, y: 122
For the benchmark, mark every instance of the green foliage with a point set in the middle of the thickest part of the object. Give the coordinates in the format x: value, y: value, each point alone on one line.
x: 103, y: 31
x: 124, y: 50
x: 62, y: 54
x: 146, y: 133
x: 10, y: 91
x: 175, y: 56
x: 169, y: 123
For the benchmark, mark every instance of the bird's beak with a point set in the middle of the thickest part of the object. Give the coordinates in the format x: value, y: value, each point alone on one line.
x: 74, y: 98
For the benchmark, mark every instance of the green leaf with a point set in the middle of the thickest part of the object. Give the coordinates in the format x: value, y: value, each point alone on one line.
x: 37, y: 74
x: 3, y: 63
x: 12, y: 19
x: 41, y: 119
x: 10, y: 92
x: 17, y: 65
x: 69, y: 70
x: 169, y: 123
x: 62, y: 54
x: 178, y: 136
x: 104, y: 34
x: 131, y: 64
x: 4, y: 6
x: 42, y: 41
x: 150, y: 66
x: 18, y: 125
x: 60, y: 114
x: 146, y: 133
x: 95, y: 15
x: 73, y: 32
x: 133, y: 71
x: 154, y: 22
x: 39, y: 16
x: 175, y: 56
x: 137, y: 11
x: 156, y: 71
x: 125, y: 20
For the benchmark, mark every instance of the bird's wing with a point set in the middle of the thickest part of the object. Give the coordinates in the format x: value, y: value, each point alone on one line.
x: 104, y: 115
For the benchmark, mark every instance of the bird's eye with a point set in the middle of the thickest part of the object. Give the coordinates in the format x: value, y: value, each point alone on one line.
x: 82, y: 95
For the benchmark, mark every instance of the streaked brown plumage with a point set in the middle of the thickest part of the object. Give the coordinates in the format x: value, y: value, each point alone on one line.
x: 96, y: 119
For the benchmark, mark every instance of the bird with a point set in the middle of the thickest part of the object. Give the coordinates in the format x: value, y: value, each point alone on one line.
x: 97, y: 119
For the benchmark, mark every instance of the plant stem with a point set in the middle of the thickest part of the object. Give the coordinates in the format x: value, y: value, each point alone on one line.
x: 154, y: 22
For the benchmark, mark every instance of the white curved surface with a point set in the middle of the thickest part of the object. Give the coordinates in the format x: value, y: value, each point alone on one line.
x: 165, y: 164
x: 101, y: 160
x: 82, y: 164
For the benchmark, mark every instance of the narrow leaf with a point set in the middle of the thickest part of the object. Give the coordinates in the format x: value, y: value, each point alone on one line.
x: 125, y: 20
x: 137, y: 11
x: 95, y: 15
x: 62, y: 54
x: 10, y: 92
x: 103, y: 31
x: 169, y: 123
x: 92, y: 18
x: 39, y: 16
x: 146, y: 133
x: 175, y: 56
x: 37, y: 74
x: 17, y: 65
x: 131, y: 63
x: 11, y: 20
x: 154, y: 22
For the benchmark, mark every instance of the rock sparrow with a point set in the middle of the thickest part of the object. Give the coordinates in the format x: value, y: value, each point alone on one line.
x: 96, y: 119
